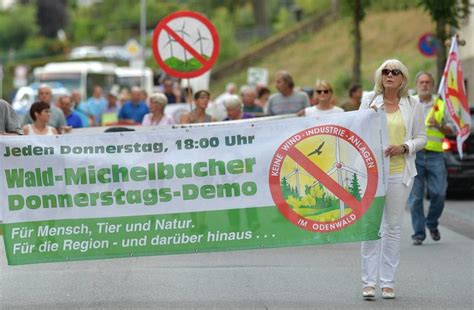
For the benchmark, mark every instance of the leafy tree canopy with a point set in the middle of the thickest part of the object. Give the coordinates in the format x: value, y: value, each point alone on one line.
x: 16, y: 25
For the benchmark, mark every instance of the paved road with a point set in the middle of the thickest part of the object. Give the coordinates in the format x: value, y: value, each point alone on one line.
x: 458, y: 215
x: 434, y: 276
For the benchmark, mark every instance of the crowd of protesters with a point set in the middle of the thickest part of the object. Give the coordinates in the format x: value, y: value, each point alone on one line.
x: 118, y: 107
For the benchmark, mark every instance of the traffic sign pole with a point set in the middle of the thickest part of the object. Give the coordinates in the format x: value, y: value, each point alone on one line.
x: 1, y: 81
x: 143, y: 40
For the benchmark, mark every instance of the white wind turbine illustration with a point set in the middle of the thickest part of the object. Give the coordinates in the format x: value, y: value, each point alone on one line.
x: 200, y: 39
x: 296, y: 173
x: 339, y: 167
x: 170, y: 43
x: 183, y: 34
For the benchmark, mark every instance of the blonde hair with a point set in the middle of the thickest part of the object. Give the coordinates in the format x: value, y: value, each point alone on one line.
x: 159, y: 99
x: 327, y: 85
x: 233, y: 101
x: 393, y: 64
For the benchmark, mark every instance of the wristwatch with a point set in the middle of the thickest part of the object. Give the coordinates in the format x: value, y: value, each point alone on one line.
x: 405, y: 149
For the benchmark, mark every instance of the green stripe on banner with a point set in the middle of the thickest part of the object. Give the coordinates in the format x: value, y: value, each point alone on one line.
x: 235, y: 229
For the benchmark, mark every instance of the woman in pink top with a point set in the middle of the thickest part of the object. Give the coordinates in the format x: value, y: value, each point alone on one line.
x: 40, y: 115
x: 157, y: 117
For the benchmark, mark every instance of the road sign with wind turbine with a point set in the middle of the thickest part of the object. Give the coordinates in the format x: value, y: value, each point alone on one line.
x: 185, y: 44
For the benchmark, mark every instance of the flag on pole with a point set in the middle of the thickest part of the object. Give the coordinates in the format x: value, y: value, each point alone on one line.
x: 453, y: 92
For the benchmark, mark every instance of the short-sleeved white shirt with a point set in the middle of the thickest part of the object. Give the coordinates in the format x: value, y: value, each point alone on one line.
x: 314, y: 111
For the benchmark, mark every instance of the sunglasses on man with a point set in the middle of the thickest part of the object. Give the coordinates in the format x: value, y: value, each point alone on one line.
x: 395, y: 72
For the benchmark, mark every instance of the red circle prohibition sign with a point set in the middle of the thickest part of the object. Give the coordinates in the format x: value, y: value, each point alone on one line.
x: 358, y: 207
x: 206, y: 64
x: 428, y: 45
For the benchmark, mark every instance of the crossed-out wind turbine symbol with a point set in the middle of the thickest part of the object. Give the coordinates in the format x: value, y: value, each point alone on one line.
x: 338, y: 167
x: 182, y: 31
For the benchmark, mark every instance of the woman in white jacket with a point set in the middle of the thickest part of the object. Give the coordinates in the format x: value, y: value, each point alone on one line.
x: 407, y: 135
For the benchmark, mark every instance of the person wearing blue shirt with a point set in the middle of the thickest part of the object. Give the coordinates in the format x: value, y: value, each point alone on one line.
x: 72, y: 118
x: 76, y: 104
x: 134, y: 110
x: 171, y: 91
x: 96, y: 105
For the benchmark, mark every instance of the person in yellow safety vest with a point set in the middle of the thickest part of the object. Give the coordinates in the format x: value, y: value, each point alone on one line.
x: 430, y: 163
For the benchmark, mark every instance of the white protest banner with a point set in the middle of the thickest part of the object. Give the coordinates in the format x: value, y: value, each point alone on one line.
x: 232, y: 186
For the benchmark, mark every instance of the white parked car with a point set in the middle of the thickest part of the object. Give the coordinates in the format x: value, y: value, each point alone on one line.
x: 78, y: 75
x: 115, y: 52
x: 85, y: 52
x: 26, y: 95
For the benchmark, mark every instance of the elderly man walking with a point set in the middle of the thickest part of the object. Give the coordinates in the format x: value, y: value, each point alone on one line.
x: 430, y: 163
x: 57, y: 119
x: 287, y: 100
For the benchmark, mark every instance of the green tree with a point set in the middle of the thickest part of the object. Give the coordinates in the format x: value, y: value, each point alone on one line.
x: 356, y: 9
x: 51, y: 16
x: 284, y: 20
x: 16, y: 25
x: 444, y: 13
x: 261, y: 17
x: 307, y: 190
x: 354, y: 189
x: 294, y: 192
x: 285, y: 188
x: 225, y: 27
x: 317, y: 191
x: 114, y: 22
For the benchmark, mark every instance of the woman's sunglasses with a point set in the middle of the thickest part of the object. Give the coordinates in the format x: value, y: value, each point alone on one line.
x: 319, y: 91
x: 395, y: 72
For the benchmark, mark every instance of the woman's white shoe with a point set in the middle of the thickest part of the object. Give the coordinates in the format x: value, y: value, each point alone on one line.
x: 368, y: 292
x: 388, y: 294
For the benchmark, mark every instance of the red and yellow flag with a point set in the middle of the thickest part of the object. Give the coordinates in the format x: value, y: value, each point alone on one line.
x: 453, y: 92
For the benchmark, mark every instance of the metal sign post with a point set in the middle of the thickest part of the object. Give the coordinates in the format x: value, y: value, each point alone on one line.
x: 143, y: 40
x: 1, y: 81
